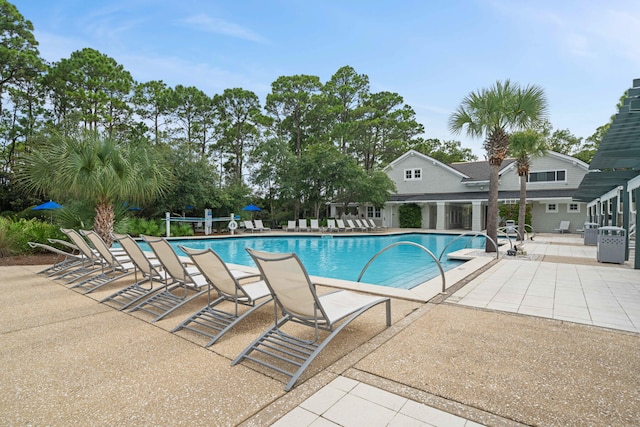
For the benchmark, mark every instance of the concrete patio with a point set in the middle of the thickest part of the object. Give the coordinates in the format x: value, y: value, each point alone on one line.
x: 550, y: 339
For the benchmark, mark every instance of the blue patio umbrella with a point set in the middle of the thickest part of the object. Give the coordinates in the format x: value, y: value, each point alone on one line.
x: 252, y: 208
x: 46, y: 206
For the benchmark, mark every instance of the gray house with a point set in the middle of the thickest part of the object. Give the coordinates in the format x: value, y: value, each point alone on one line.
x: 455, y: 196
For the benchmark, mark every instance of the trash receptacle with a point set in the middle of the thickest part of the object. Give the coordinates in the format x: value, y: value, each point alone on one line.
x: 611, y: 244
x: 591, y: 233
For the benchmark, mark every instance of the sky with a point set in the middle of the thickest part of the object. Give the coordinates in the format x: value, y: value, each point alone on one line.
x: 583, y: 53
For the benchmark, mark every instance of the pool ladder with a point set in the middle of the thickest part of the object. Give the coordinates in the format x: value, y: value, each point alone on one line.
x: 444, y: 287
x: 437, y: 260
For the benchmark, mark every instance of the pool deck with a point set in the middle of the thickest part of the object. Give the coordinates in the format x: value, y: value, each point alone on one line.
x: 550, y: 338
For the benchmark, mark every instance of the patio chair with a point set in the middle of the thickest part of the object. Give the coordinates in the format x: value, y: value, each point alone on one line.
x: 564, y: 227
x: 302, y: 225
x: 331, y: 225
x: 296, y: 298
x: 291, y: 226
x: 163, y: 303
x: 350, y: 225
x: 341, y: 225
x: 147, y: 265
x: 314, y: 226
x: 260, y: 226
x: 248, y: 225
x: 211, y: 320
x: 112, y: 266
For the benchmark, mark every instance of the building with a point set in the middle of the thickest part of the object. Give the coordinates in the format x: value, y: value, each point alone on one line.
x: 455, y: 196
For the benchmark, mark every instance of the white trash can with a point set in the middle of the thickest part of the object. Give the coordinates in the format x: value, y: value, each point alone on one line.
x: 611, y: 244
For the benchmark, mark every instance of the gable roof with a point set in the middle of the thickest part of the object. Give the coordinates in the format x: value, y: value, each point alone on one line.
x: 424, y: 157
x: 479, y: 171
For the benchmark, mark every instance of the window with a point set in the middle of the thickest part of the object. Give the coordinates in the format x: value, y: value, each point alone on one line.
x: 547, y: 176
x: 373, y: 212
x: 552, y: 207
x: 573, y: 208
x: 413, y: 174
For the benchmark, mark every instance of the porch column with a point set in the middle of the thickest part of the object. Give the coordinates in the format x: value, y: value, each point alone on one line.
x: 476, y: 215
x: 441, y: 216
x: 424, y: 211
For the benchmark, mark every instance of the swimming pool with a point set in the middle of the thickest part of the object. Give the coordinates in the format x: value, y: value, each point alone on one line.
x: 344, y: 257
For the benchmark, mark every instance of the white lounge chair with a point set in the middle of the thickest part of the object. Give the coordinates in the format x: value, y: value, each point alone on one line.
x: 248, y: 225
x: 350, y: 225
x: 373, y: 224
x: 361, y: 225
x: 314, y: 225
x: 331, y: 225
x: 259, y: 226
x: 295, y: 295
x: 213, y: 321
x: 291, y: 226
x: 341, y: 225
x: 302, y: 225
x: 564, y: 227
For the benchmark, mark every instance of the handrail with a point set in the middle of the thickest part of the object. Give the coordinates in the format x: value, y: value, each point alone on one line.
x: 471, y: 233
x: 410, y: 244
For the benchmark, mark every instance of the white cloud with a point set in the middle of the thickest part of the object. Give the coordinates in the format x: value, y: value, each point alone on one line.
x: 208, y: 24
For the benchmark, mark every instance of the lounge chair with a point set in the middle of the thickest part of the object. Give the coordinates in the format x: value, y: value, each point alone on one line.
x: 314, y: 225
x: 361, y: 225
x: 291, y: 226
x: 374, y: 227
x: 260, y: 227
x: 295, y: 295
x: 67, y: 259
x: 92, y: 257
x: 226, y: 283
x: 114, y: 265
x: 248, y: 225
x: 564, y: 227
x: 147, y: 265
x: 350, y: 225
x: 302, y: 225
x: 341, y: 225
x: 331, y: 225
x: 161, y: 304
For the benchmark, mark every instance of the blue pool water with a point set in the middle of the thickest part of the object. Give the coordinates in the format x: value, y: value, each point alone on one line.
x: 344, y: 257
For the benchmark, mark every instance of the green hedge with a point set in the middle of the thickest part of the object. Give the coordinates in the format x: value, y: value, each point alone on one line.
x: 410, y: 216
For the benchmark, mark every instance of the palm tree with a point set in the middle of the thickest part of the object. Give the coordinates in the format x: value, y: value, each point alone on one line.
x: 100, y: 171
x: 492, y: 113
x: 524, y: 146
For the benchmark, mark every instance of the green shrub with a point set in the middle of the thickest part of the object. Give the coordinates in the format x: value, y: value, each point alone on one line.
x: 181, y: 229
x: 16, y: 233
x: 510, y: 212
x: 7, y: 241
x: 410, y: 216
x: 148, y: 227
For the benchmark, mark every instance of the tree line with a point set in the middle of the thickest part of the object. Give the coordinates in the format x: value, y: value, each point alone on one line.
x: 311, y: 142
